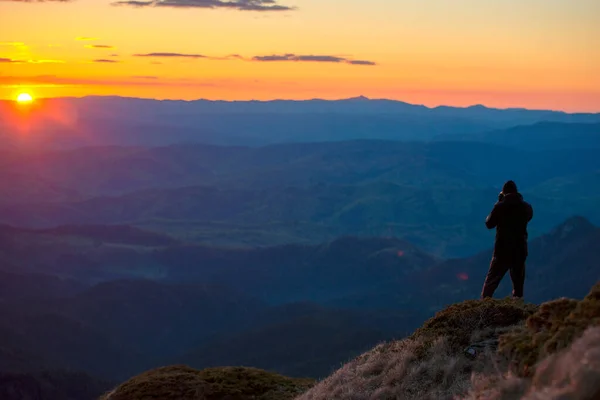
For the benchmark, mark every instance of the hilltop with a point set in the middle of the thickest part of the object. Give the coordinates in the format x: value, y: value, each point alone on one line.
x: 515, y: 350
x: 230, y: 383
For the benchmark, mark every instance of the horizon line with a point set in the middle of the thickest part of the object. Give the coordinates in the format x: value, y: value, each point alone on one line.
x: 359, y: 97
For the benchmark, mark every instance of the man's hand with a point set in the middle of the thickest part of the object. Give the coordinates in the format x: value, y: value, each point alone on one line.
x: 492, y: 220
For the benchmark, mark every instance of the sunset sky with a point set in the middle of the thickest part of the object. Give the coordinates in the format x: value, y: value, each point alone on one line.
x: 501, y: 53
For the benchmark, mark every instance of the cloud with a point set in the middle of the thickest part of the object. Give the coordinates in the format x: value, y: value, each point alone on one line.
x: 242, y: 5
x: 102, y: 60
x: 39, y: 1
x: 144, y: 77
x: 13, y: 44
x: 13, y: 61
x: 45, y: 61
x: 311, y: 58
x: 53, y: 80
x: 171, y: 55
x: 293, y: 57
x: 85, y: 39
x: 99, y: 46
x: 361, y: 62
x: 266, y: 58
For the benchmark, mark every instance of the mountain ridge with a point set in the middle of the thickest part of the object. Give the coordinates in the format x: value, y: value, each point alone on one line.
x: 359, y: 98
x: 124, y: 121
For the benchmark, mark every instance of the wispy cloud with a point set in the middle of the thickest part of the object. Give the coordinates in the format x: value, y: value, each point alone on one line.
x: 242, y: 5
x: 99, y: 46
x: 13, y: 44
x: 85, y: 38
x: 105, y: 61
x: 45, y: 61
x: 53, y: 80
x: 293, y: 57
x: 39, y: 1
x: 361, y: 62
x: 170, y: 55
x: 311, y: 58
x: 266, y: 58
x: 13, y: 61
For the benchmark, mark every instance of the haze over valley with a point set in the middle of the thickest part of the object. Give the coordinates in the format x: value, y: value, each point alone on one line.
x: 291, y: 254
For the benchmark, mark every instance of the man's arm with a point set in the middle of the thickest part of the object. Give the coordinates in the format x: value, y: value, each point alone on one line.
x: 492, y: 220
x: 529, y: 212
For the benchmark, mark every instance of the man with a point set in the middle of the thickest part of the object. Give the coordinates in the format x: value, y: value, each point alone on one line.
x: 510, y: 217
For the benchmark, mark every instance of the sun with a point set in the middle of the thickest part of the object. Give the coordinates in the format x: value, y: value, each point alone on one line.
x: 24, y: 98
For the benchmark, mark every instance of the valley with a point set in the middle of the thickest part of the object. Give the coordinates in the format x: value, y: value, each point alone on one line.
x: 131, y: 250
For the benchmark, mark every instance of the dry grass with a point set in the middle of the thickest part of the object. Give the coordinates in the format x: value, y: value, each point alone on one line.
x: 231, y: 383
x: 552, y: 328
x: 571, y: 374
x: 394, y: 371
x: 459, y: 321
x: 542, y: 355
x: 430, y: 364
x: 554, y: 353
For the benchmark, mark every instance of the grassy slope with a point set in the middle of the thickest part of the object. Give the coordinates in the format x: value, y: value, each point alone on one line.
x: 185, y: 383
x: 431, y: 365
x: 558, y: 342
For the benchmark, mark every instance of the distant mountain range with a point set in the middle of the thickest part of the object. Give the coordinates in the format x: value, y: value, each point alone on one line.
x: 72, y: 122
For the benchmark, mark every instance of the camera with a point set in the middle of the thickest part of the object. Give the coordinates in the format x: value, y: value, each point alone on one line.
x: 500, y: 196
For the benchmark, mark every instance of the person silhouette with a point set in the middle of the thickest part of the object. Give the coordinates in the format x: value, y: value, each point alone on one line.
x: 510, y: 217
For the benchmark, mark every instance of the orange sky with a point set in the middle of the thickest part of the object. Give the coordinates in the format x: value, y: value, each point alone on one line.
x: 526, y: 53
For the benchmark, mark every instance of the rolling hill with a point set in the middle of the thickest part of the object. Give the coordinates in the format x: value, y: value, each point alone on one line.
x: 306, y: 343
x: 212, y: 305
x: 432, y: 194
x: 539, y: 136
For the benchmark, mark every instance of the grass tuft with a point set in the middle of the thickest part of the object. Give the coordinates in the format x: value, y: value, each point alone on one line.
x: 180, y: 382
x: 458, y: 322
x: 554, y: 327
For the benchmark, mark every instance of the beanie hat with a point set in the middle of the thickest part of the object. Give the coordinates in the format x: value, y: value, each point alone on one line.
x: 509, y: 187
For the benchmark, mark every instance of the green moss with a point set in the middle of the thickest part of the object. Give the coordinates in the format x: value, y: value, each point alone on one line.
x: 232, y: 383
x: 460, y: 321
x: 552, y: 328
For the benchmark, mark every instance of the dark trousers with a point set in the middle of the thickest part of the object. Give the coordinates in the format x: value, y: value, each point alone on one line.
x: 498, y: 268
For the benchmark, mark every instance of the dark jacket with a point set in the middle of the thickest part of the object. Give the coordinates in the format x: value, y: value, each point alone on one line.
x: 510, y: 217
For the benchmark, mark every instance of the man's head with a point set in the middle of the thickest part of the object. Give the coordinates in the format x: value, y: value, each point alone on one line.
x: 509, y: 187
